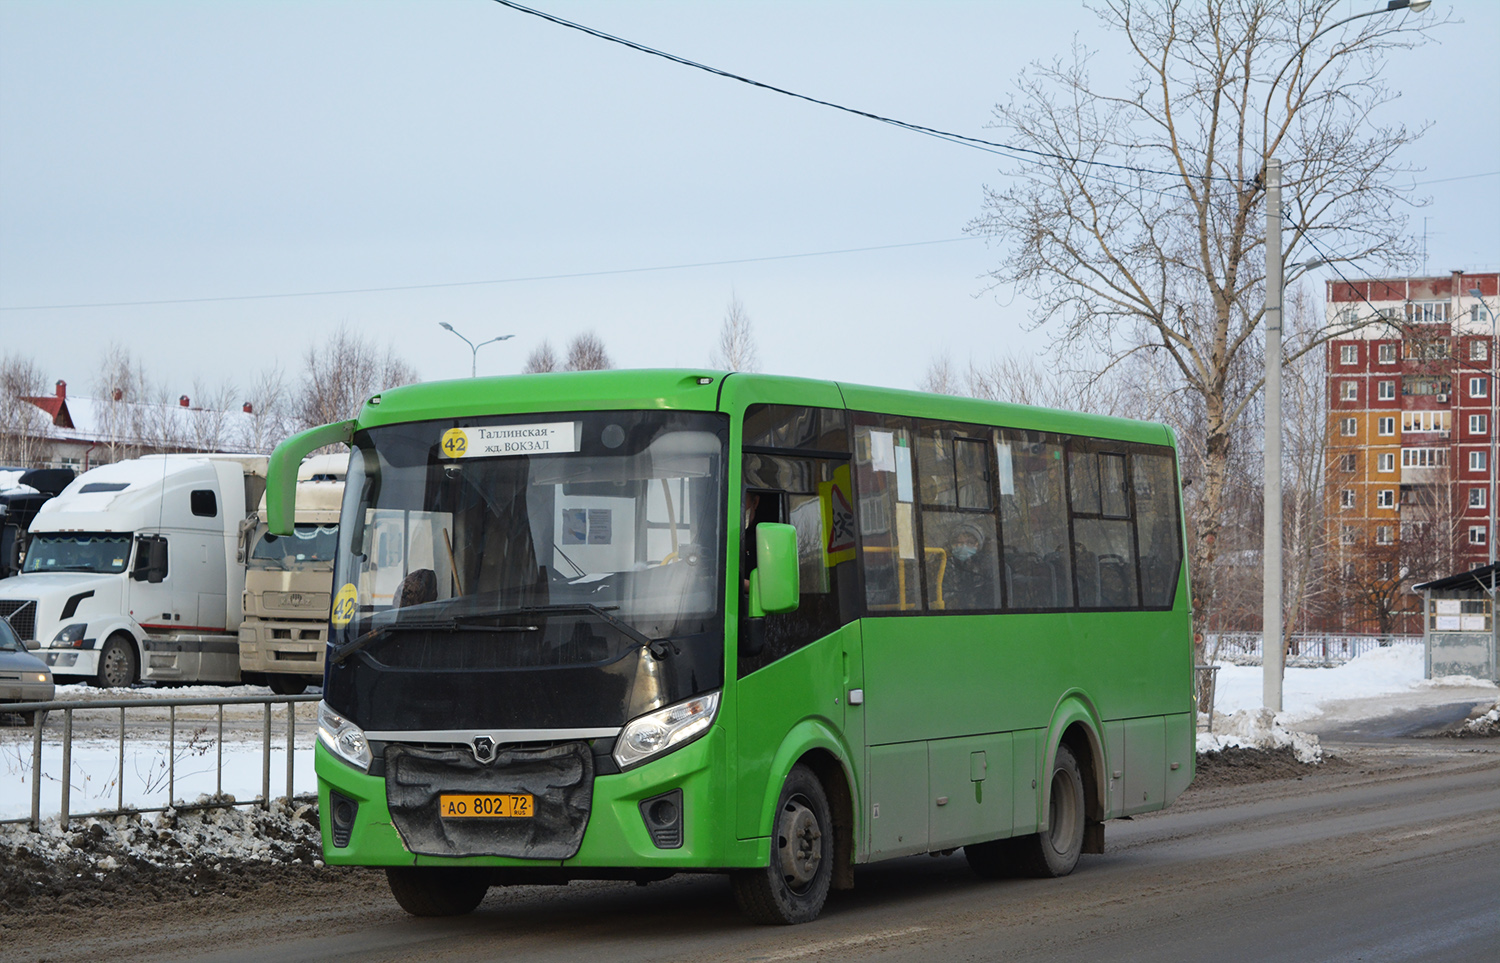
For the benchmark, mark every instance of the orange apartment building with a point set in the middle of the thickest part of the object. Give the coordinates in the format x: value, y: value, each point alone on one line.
x: 1411, y: 422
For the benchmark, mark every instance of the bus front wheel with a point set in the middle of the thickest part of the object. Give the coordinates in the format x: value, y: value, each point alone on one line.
x: 437, y: 891
x: 794, y: 886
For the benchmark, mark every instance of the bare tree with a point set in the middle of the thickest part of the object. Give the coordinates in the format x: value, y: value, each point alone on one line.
x: 341, y: 373
x: 23, y: 426
x: 586, y: 353
x: 1028, y: 381
x: 736, y: 350
x: 1136, y: 221
x: 541, y: 360
x: 208, y: 416
x: 940, y: 378
x: 268, y: 400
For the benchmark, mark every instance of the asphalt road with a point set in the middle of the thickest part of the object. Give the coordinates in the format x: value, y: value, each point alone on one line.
x: 1393, y: 856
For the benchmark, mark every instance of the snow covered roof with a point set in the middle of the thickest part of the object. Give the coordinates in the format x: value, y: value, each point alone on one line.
x: 162, y: 426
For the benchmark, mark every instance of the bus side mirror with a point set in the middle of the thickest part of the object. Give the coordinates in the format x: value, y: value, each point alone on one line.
x: 150, y: 559
x: 775, y: 585
x: 281, y: 475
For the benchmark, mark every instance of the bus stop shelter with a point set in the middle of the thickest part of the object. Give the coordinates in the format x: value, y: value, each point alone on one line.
x: 1458, y: 625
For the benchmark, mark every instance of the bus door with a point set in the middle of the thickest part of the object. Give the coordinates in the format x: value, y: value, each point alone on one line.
x: 809, y: 659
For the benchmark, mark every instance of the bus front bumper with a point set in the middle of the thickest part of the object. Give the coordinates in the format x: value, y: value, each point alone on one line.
x: 616, y: 836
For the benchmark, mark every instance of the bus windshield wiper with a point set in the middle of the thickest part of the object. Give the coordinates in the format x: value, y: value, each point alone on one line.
x: 659, y: 648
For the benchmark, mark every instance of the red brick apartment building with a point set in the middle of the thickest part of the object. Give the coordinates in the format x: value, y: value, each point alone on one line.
x: 1411, y: 436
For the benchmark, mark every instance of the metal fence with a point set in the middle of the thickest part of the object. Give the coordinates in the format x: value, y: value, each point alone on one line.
x: 1306, y: 649
x: 69, y: 708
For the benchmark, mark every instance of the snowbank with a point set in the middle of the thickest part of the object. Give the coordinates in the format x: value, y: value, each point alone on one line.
x: 1259, y: 729
x: 1305, y: 691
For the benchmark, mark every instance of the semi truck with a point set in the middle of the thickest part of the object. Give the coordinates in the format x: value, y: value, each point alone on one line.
x: 22, y: 494
x: 136, y: 571
x: 289, y: 583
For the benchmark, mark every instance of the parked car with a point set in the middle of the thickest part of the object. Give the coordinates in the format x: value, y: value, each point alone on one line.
x: 23, y: 677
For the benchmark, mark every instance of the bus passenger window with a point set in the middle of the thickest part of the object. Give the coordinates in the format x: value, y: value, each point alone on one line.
x: 1157, y: 534
x: 1034, y: 520
x: 887, y: 517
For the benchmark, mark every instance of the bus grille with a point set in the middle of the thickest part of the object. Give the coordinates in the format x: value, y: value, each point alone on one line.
x: 21, y: 614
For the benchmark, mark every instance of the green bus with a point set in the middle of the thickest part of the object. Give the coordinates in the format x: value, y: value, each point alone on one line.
x: 626, y: 624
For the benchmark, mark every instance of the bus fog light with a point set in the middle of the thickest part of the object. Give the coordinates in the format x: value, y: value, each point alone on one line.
x: 343, y: 738
x: 657, y: 732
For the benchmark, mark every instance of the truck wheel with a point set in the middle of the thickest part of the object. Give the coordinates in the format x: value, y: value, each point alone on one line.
x: 117, y: 665
x: 282, y: 684
x: 1055, y: 852
x: 793, y: 888
x: 437, y: 891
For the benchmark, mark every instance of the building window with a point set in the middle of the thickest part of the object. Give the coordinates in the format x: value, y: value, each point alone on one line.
x: 1388, y: 354
x: 1349, y: 535
x: 1477, y: 424
x: 1349, y: 391
x: 1383, y: 570
x: 1348, y: 354
x: 1387, y: 425
x: 1478, y: 460
x: 1477, y: 497
x: 1349, y: 464
x: 1417, y: 385
x: 1386, y: 461
x: 1349, y: 427
x: 1386, y: 390
x: 1424, y: 457
x: 1479, y: 349
x: 1427, y: 312
x: 1479, y: 387
x: 1346, y: 498
x: 1425, y: 421
x: 1385, y: 498
x: 1383, y: 535
x: 1477, y: 535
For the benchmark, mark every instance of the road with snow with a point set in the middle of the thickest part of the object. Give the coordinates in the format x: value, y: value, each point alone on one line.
x: 1391, y: 854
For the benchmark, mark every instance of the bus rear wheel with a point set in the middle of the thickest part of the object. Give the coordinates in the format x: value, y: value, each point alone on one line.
x: 1055, y: 852
x: 793, y: 888
x: 437, y: 891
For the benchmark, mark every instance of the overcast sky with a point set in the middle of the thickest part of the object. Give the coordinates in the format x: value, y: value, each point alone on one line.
x: 162, y: 151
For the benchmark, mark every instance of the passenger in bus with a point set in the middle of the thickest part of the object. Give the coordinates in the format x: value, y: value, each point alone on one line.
x: 968, y: 578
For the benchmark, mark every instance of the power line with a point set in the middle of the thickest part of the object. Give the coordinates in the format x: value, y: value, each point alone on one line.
x: 1461, y: 177
x: 961, y: 139
x: 468, y: 284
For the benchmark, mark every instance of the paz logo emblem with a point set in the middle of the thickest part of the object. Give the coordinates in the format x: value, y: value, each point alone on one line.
x: 484, y: 749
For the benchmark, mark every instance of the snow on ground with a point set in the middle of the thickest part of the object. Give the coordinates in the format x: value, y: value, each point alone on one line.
x: 1368, y: 686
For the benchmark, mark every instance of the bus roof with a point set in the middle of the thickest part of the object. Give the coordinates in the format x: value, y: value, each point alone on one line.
x: 709, y: 390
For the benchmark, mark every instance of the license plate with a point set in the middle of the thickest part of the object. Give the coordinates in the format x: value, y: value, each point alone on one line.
x: 485, y: 805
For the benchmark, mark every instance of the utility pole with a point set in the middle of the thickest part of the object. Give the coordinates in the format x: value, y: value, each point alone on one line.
x: 1271, y: 654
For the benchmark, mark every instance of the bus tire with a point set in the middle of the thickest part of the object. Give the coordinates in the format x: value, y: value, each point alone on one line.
x: 117, y: 664
x: 793, y: 888
x: 437, y: 890
x: 1055, y: 852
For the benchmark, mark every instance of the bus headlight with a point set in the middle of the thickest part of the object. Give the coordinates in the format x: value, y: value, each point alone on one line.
x: 343, y: 738
x: 665, y: 729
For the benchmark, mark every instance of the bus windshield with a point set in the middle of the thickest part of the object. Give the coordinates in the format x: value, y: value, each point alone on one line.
x: 104, y: 552
x: 531, y: 541
x: 308, y: 547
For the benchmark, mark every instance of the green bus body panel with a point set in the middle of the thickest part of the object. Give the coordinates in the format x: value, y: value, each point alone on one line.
x: 962, y: 714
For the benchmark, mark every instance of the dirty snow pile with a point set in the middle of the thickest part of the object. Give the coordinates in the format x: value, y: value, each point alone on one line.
x: 1259, y: 729
x: 181, y: 845
x: 1483, y: 724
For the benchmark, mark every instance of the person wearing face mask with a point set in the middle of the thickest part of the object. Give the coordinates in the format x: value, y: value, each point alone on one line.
x: 967, y: 583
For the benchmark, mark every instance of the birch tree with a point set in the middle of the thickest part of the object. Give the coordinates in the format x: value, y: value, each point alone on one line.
x: 736, y: 349
x: 1134, y: 220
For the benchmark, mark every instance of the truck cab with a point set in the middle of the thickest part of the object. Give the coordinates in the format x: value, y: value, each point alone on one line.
x: 289, y: 583
x: 134, y: 572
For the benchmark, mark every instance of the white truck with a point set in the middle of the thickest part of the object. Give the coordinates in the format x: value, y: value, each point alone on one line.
x: 289, y: 583
x: 136, y: 571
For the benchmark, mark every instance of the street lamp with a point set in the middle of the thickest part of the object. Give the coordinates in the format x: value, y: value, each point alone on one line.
x: 474, y: 361
x: 1272, y: 658
x: 1489, y: 536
